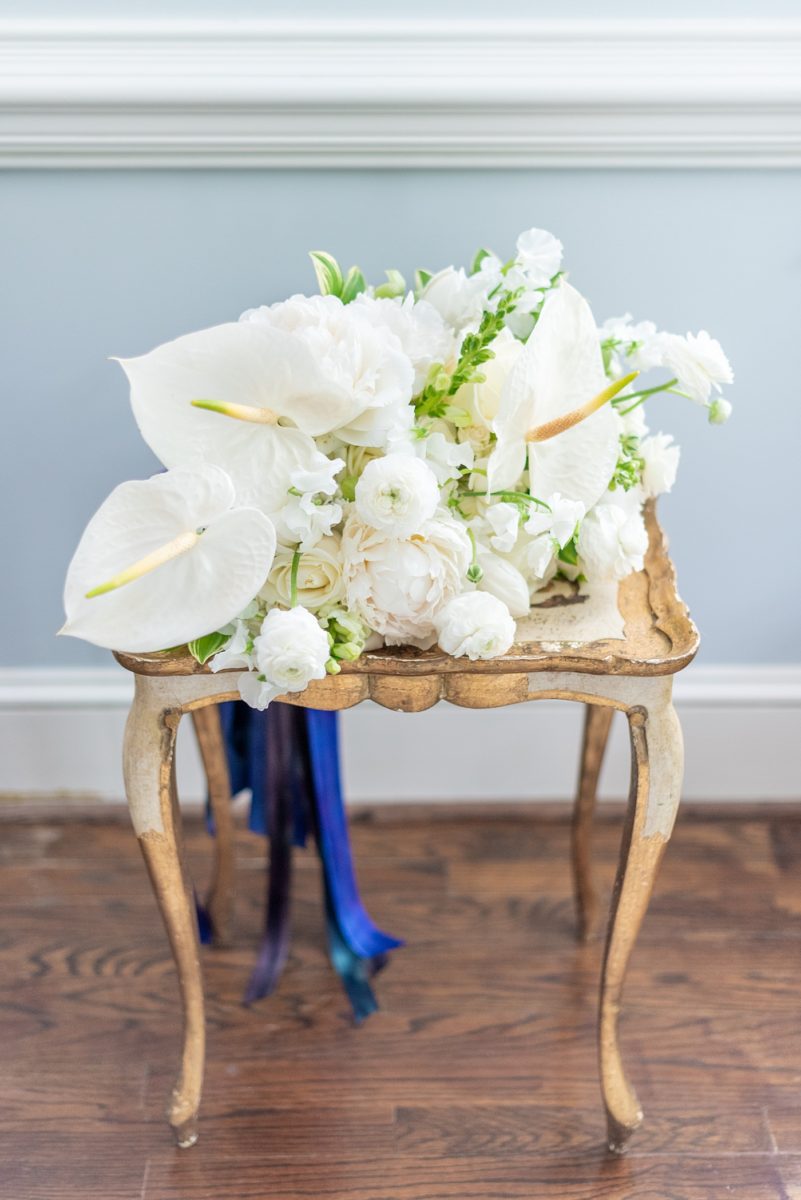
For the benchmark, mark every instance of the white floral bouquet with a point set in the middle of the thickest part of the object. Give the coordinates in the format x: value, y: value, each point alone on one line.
x: 377, y: 466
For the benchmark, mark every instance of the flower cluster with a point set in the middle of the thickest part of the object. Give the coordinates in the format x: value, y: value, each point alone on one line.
x: 377, y: 465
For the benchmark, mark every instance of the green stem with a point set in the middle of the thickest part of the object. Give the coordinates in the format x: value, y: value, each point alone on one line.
x: 293, y: 579
x: 506, y: 495
x: 642, y: 396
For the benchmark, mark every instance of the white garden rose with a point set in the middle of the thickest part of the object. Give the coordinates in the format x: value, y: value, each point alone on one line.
x: 397, y: 586
x: 397, y: 494
x: 290, y: 651
x: 319, y: 579
x: 612, y: 540
x: 475, y: 625
x: 661, y: 462
x: 420, y: 329
x: 699, y: 363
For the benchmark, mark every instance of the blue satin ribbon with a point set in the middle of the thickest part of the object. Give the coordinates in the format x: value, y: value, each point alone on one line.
x: 289, y: 758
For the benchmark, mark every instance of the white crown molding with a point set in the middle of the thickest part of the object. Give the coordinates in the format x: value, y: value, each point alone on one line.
x: 400, y: 94
x: 61, y: 733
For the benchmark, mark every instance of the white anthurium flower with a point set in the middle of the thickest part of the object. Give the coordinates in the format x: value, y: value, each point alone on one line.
x: 501, y: 578
x: 640, y: 346
x: 319, y: 576
x: 482, y: 400
x: 459, y: 298
x: 247, y: 378
x: 397, y: 586
x: 613, y: 539
x: 475, y: 625
x: 699, y: 363
x: 236, y: 653
x: 446, y: 459
x: 289, y: 652
x: 556, y: 396
x: 661, y: 458
x: 420, y: 329
x: 539, y: 254
x: 560, y: 522
x: 397, y: 494
x: 165, y: 561
x: 361, y: 359
x: 504, y: 522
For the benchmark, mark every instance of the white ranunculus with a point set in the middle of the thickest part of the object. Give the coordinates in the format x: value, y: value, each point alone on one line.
x: 319, y: 576
x: 641, y: 347
x: 192, y: 560
x: 290, y: 651
x: 539, y: 254
x: 360, y: 359
x: 560, y: 522
x: 559, y: 370
x: 475, y: 624
x: 398, y: 586
x: 612, y: 541
x: 699, y: 363
x: 661, y: 458
x: 482, y: 400
x: 501, y: 578
x: 420, y: 329
x: 459, y: 298
x: 397, y: 494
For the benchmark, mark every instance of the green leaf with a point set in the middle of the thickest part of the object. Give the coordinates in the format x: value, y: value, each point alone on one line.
x: 478, y: 260
x: 329, y: 275
x: 347, y: 485
x: 203, y: 648
x: 421, y: 278
x: 395, y: 285
x: 569, y: 553
x: 354, y: 283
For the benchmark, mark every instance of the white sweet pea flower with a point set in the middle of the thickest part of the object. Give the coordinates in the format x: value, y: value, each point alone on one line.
x: 559, y: 372
x: 306, y: 519
x: 236, y: 653
x: 640, y: 347
x: 539, y: 254
x: 165, y: 561
x: 502, y: 579
x: 612, y: 540
x: 290, y: 651
x: 397, y: 586
x: 361, y: 360
x: 420, y: 329
x: 537, y: 559
x: 661, y: 458
x: 560, y: 522
x: 319, y: 579
x: 504, y: 521
x: 445, y: 459
x: 397, y: 494
x: 475, y: 625
x: 458, y: 297
x: 699, y: 363
x: 319, y: 478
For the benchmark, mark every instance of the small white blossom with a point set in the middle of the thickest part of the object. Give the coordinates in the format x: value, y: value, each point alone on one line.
x: 699, y: 363
x: 236, y: 652
x: 501, y: 578
x: 397, y: 494
x: 560, y: 522
x: 290, y: 651
x: 458, y: 297
x: 305, y: 520
x: 661, y: 458
x: 539, y: 253
x: 504, y: 521
x: 719, y: 411
x: 476, y: 625
x: 318, y: 477
x: 612, y: 541
x: 445, y: 458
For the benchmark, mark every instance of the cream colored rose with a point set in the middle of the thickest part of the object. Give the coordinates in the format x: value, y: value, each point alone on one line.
x: 319, y: 576
x: 397, y: 586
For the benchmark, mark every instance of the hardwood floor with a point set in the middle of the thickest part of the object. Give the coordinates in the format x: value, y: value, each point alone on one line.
x: 477, y: 1080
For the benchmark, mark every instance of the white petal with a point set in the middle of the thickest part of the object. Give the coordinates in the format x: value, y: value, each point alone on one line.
x: 189, y: 596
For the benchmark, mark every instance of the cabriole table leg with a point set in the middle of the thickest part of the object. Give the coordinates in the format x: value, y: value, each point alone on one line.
x: 597, y: 722
x: 219, y: 899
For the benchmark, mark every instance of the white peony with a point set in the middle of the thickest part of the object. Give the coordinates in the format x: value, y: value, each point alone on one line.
x: 661, y: 459
x: 420, y: 329
x: 319, y: 580
x: 612, y: 540
x: 459, y: 298
x: 539, y: 254
x: 475, y: 624
x: 290, y: 651
x: 699, y: 363
x: 397, y: 586
x: 397, y: 494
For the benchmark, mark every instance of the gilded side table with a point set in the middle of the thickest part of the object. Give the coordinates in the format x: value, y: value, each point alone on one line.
x: 633, y: 675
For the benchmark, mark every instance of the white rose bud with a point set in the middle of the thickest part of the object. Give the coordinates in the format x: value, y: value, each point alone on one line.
x: 475, y: 624
x: 397, y: 494
x: 290, y: 651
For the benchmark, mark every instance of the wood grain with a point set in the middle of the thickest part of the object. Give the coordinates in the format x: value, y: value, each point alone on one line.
x: 475, y: 1081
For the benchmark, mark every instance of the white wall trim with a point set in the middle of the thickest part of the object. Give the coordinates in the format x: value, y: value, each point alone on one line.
x: 232, y: 93
x: 61, y: 732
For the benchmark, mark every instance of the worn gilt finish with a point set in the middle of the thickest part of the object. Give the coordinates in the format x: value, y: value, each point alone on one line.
x: 219, y: 900
x: 597, y: 723
x: 633, y: 675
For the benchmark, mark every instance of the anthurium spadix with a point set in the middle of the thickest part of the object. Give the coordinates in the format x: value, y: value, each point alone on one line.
x: 165, y: 561
x: 244, y: 396
x: 554, y: 406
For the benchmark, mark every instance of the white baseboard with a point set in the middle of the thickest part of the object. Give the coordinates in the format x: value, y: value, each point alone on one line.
x: 61, y: 732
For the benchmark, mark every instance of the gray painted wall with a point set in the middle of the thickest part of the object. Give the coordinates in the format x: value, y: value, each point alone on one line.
x: 296, y: 9
x: 102, y: 263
